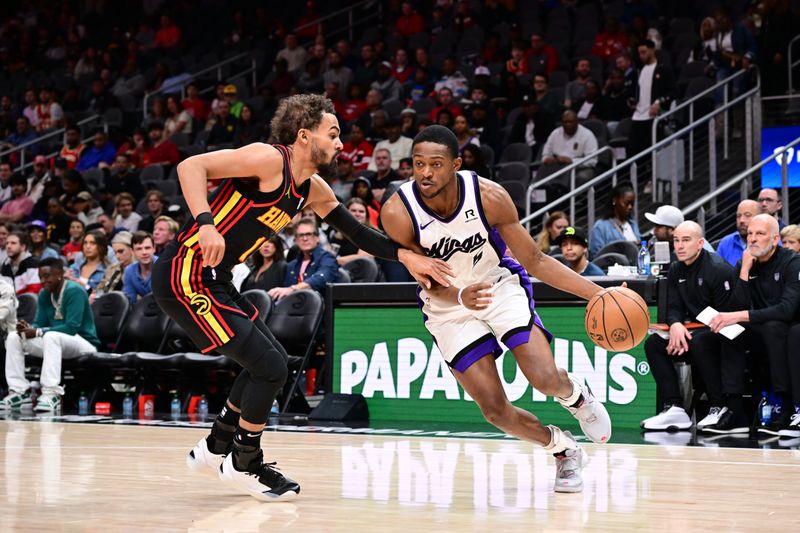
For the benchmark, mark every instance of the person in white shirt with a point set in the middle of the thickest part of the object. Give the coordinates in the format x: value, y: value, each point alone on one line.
x: 294, y: 54
x: 126, y: 217
x: 398, y: 145
x: 567, y: 144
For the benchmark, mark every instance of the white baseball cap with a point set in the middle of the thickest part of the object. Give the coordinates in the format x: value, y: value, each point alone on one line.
x: 666, y: 215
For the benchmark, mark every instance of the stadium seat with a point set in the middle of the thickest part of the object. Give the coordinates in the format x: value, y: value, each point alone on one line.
x: 152, y: 173
x: 625, y: 248
x: 515, y: 153
x: 344, y: 276
x: 180, y: 139
x: 620, y: 138
x: 261, y: 301
x: 610, y: 259
x: 518, y: 192
x: 110, y: 311
x: 295, y: 321
x: 362, y: 270
x: 514, y: 171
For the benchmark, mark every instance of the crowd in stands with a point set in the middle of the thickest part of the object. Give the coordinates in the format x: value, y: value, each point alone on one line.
x: 543, y: 88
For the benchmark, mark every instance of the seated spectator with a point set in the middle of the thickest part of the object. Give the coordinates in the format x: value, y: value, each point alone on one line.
x: 587, y: 108
x: 409, y: 22
x: 268, y: 266
x: 29, y: 111
x: 136, y: 148
x: 294, y: 54
x: 575, y: 91
x: 164, y: 231
x: 354, y: 106
x: 22, y: 135
x: 57, y: 223
x: 223, y: 131
x: 102, y: 152
x: 310, y: 80
x: 553, y: 226
x: 698, y: 279
x: 75, y: 243
x: 472, y: 158
x: 541, y: 58
x: 485, y: 124
x: 616, y: 224
x: 464, y: 135
x: 402, y: 70
x: 100, y: 98
x: 452, y: 78
x: 706, y: 47
x: 250, y: 129
x: 20, y: 205
x: 193, y: 104
x: 5, y: 231
x: 731, y: 247
x: 445, y: 99
x: 771, y: 203
x: 90, y: 265
x: 20, y: 268
x: 138, y: 275
x: 790, y: 236
x: 533, y: 126
x: 8, y: 309
x: 445, y: 118
x: 63, y: 329
x: 73, y: 148
x: 340, y: 74
x: 126, y: 217
x: 38, y: 178
x: 5, y: 182
x: 768, y: 289
x: 367, y: 69
x: 609, y: 43
x: 384, y: 173
x: 106, y: 224
x: 548, y: 100
x: 420, y: 87
x: 37, y: 236
x: 390, y: 88
x: 362, y: 188
x: 86, y: 209
x: 231, y: 95
x: 570, y: 142
x: 357, y: 149
x: 113, y: 279
x: 122, y: 177
x: 156, y: 207
x: 613, y: 105
x: 345, y: 250
x: 573, y: 244
x: 49, y: 114
x: 168, y: 35
x: 129, y: 82
x: 397, y: 145
x: 162, y: 151
x: 178, y: 119
x: 408, y: 122
x: 517, y: 64
x: 313, y: 268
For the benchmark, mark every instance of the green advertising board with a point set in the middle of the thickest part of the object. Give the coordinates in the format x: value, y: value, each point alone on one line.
x: 387, y: 355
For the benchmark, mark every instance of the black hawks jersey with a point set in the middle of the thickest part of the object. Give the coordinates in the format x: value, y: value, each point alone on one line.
x: 246, y: 217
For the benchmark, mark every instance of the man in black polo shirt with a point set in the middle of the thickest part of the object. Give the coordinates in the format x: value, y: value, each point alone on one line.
x: 697, y: 280
x: 769, y: 286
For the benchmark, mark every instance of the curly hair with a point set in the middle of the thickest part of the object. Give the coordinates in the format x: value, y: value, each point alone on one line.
x: 296, y: 112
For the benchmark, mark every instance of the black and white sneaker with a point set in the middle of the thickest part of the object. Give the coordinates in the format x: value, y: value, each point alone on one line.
x: 793, y: 429
x: 202, y: 460
x: 730, y: 422
x: 262, y: 481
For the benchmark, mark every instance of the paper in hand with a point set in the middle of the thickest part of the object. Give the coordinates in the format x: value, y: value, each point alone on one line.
x: 729, y: 332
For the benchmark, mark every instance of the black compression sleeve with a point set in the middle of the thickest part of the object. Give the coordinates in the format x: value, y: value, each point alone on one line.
x: 365, y: 238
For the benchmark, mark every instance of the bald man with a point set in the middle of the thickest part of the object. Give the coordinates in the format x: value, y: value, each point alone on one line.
x: 698, y: 279
x: 731, y: 247
x: 769, y: 286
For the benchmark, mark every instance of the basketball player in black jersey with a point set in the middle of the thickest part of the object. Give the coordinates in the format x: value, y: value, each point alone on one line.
x: 262, y: 188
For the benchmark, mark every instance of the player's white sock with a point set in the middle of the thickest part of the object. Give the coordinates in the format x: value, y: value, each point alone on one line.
x: 576, y: 394
x: 560, y: 441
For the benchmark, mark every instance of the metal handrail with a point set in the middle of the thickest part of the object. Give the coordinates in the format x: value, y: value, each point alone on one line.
x: 789, y: 64
x: 560, y: 172
x: 634, y: 159
x: 698, y: 204
x: 349, y: 11
x: 61, y: 131
x: 690, y: 103
x: 193, y: 75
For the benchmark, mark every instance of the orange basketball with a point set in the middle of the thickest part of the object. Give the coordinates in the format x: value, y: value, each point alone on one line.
x: 616, y: 319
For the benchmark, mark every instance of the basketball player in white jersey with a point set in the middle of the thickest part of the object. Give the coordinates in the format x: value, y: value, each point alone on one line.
x: 467, y: 222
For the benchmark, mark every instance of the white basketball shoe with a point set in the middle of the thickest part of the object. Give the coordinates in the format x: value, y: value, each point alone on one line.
x: 201, y: 460
x: 592, y: 415
x: 264, y: 483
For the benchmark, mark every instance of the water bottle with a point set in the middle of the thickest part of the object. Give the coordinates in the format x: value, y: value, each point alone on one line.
x: 175, y: 407
x: 83, y: 404
x: 765, y: 410
x: 644, y: 260
x: 127, y: 406
x: 276, y: 408
x: 202, y: 408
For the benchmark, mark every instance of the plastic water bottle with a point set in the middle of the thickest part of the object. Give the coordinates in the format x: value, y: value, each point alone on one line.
x: 202, y: 408
x: 175, y: 407
x: 83, y: 404
x: 644, y: 260
x: 764, y: 409
x: 276, y: 408
x: 127, y: 406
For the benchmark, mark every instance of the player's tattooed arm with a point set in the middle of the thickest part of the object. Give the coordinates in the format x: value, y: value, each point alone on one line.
x: 502, y: 214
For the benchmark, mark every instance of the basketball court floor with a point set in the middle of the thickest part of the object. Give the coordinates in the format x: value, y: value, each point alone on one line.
x: 114, y: 477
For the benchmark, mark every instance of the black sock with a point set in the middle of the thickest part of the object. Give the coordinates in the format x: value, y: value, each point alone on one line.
x: 735, y: 404
x: 247, y: 455
x: 248, y: 439
x: 223, y: 431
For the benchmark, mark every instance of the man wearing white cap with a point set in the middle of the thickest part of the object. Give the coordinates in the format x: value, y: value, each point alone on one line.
x: 665, y: 220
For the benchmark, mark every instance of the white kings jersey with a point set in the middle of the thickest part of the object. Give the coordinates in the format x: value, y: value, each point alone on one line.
x: 474, y: 250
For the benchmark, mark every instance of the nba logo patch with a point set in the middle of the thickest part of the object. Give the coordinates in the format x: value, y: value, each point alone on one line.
x: 727, y: 286
x: 777, y: 276
x: 700, y: 282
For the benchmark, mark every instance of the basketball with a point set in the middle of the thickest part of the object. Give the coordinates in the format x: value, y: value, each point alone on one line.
x: 616, y: 319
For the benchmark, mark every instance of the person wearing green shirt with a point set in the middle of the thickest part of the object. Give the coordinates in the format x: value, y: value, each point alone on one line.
x: 63, y: 328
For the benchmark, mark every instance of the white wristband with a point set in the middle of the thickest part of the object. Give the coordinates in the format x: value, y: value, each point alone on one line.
x: 461, y: 303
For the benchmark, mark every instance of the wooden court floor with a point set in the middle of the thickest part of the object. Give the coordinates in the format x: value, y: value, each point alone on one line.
x: 107, y: 478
